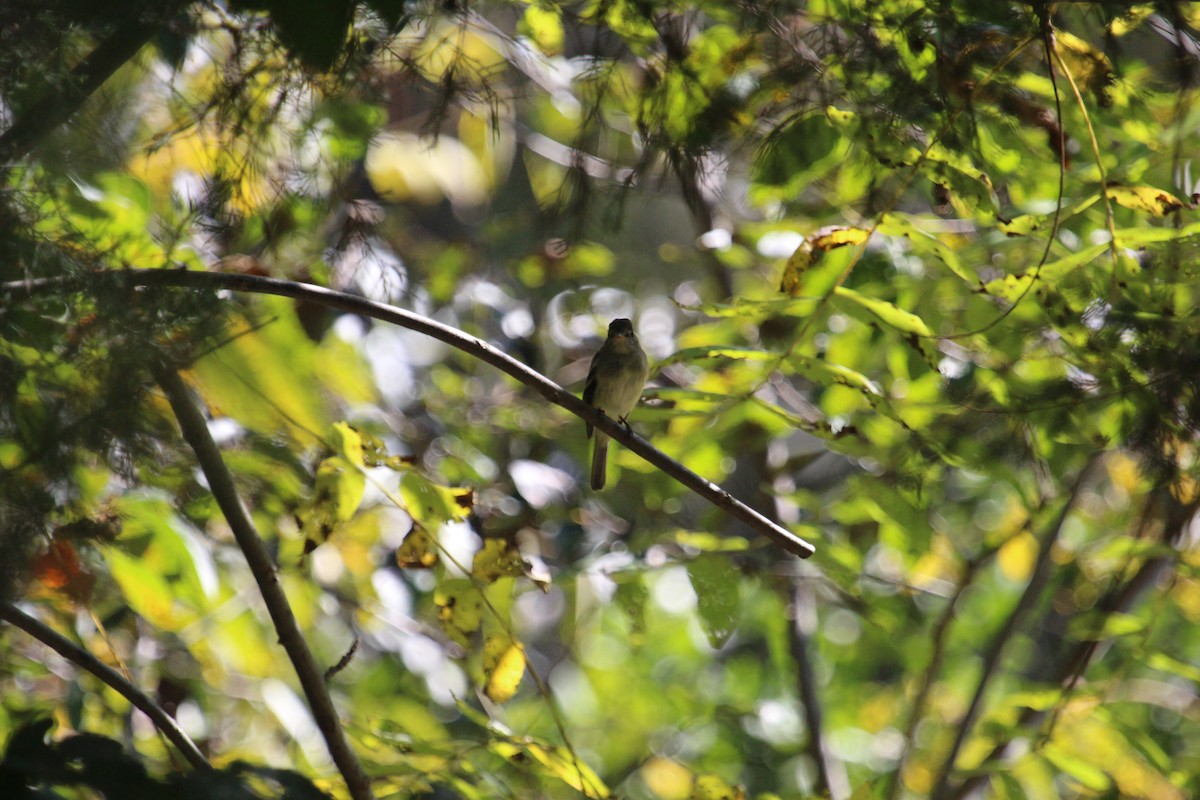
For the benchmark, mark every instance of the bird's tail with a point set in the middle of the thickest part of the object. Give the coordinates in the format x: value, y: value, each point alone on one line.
x: 599, y: 462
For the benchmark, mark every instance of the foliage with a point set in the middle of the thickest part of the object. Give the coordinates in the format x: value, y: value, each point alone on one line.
x: 918, y: 280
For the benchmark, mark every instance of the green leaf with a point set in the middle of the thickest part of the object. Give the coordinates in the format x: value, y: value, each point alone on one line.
x: 740, y: 353
x: 892, y: 315
x: 1089, y: 775
x: 431, y: 504
x: 715, y: 582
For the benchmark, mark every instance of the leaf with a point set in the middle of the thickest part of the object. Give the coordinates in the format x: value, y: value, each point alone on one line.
x: 893, y: 224
x: 1089, y: 775
x: 690, y: 354
x: 503, y: 667
x: 1011, y: 287
x: 709, y: 786
x: 146, y: 590
x: 798, y: 152
x: 60, y: 568
x: 569, y: 769
x: 460, y: 608
x: 1144, y: 198
x: 418, y: 550
x: 716, y: 581
x: 711, y: 542
x: 1098, y: 626
x: 431, y: 504
x: 496, y: 559
x: 822, y: 372
x: 347, y: 443
x: 800, y: 273
x: 891, y: 314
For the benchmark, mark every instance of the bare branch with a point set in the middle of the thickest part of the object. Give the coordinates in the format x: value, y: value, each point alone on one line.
x: 85, y: 660
x: 220, y: 482
x: 452, y: 336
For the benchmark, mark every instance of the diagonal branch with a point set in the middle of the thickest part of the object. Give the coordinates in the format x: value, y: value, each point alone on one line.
x: 220, y: 481
x: 995, y: 649
x: 56, y: 107
x: 455, y: 338
x: 85, y: 660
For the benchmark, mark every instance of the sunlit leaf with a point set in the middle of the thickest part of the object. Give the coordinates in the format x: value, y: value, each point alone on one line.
x: 1089, y: 775
x: 1144, y: 198
x: 503, y: 667
x: 811, y: 271
x: 709, y: 786
x: 892, y: 315
x: 431, y: 504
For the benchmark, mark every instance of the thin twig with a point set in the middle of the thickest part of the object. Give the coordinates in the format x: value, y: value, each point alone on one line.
x: 468, y: 344
x: 85, y: 660
x: 991, y: 658
x: 220, y: 481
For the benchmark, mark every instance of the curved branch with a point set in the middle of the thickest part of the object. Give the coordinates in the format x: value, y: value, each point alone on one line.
x: 85, y: 660
x: 455, y: 338
x: 220, y: 483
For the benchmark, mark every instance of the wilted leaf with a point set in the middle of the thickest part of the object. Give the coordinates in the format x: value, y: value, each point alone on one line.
x: 801, y: 274
x: 1144, y: 198
x: 418, y: 550
x: 460, y: 608
x: 60, y: 568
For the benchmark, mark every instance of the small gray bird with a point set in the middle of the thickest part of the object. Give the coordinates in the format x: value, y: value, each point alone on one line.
x: 614, y: 386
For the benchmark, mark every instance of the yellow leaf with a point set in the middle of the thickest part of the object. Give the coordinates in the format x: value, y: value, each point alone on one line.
x: 667, y: 779
x: 503, y: 667
x: 347, y: 443
x: 798, y: 273
x: 1144, y: 198
x: 713, y: 787
x: 1016, y: 556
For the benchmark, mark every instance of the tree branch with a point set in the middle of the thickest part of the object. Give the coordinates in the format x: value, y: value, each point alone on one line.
x: 220, y: 481
x: 991, y: 657
x: 455, y: 338
x: 56, y: 107
x: 85, y: 660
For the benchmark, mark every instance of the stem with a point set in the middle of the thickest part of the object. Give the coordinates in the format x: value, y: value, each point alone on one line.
x: 220, y: 481
x: 470, y: 345
x: 85, y: 660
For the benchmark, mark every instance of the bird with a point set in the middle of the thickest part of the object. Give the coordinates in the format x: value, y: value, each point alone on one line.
x: 614, y: 386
